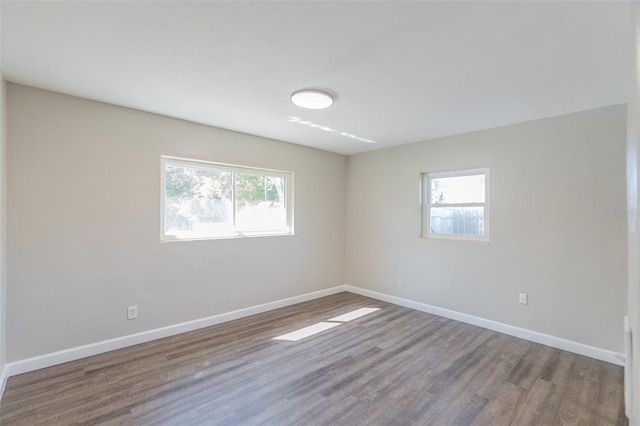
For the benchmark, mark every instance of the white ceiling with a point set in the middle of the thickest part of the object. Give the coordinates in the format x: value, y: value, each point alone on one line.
x: 402, y: 71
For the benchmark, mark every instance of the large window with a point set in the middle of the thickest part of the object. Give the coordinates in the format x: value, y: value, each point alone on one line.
x: 456, y: 205
x: 202, y: 200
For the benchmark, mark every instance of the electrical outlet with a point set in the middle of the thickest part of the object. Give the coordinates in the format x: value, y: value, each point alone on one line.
x: 400, y: 282
x: 132, y: 312
x: 523, y: 299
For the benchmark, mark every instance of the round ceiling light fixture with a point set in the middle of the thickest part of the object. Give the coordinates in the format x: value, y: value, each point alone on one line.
x: 312, y: 99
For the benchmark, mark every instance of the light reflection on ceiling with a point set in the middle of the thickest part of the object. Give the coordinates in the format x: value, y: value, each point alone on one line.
x: 329, y: 129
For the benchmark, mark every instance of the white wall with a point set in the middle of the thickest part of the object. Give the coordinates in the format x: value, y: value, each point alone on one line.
x: 633, y: 162
x: 3, y: 222
x: 84, y: 223
x: 551, y: 182
x: 3, y: 231
x: 3, y: 227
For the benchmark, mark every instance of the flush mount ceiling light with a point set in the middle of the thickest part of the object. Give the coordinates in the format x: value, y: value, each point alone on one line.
x: 312, y: 99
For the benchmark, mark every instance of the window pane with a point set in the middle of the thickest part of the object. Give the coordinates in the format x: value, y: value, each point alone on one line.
x: 197, y: 201
x: 260, y: 203
x: 458, y: 189
x: 456, y: 220
x: 204, y: 200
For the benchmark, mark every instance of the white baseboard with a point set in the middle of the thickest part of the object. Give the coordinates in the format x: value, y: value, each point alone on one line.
x: 534, y: 336
x: 72, y: 354
x: 3, y: 379
x: 628, y: 368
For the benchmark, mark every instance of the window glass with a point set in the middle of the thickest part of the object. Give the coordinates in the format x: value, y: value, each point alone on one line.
x: 209, y: 200
x: 456, y: 205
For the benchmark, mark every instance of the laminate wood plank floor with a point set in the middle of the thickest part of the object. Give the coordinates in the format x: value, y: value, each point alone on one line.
x: 394, y: 366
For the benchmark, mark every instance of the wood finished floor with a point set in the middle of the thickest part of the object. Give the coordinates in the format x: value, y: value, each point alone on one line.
x: 395, y: 366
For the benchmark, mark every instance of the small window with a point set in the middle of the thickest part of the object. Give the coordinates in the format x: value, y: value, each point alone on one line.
x: 202, y: 200
x: 456, y: 205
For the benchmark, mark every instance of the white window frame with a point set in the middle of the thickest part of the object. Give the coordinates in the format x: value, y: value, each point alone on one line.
x: 188, y: 162
x: 426, y: 204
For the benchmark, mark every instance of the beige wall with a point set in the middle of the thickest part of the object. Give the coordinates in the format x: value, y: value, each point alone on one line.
x: 84, y: 223
x: 552, y: 181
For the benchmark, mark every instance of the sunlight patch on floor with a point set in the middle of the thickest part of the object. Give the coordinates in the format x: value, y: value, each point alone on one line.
x: 353, y: 314
x: 294, y: 336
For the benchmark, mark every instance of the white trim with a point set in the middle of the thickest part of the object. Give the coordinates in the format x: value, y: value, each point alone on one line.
x: 523, y: 333
x: 72, y: 354
x: 628, y: 369
x: 4, y: 376
x: 225, y: 166
x: 427, y: 205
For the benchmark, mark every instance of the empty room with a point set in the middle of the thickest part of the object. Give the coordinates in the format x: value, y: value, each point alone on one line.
x: 319, y: 213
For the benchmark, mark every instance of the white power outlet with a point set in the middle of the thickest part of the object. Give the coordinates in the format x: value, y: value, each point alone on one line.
x: 400, y: 282
x: 132, y: 312
x: 523, y: 299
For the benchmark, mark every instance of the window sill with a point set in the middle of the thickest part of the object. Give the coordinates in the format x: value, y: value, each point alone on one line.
x: 483, y: 240
x: 171, y: 239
